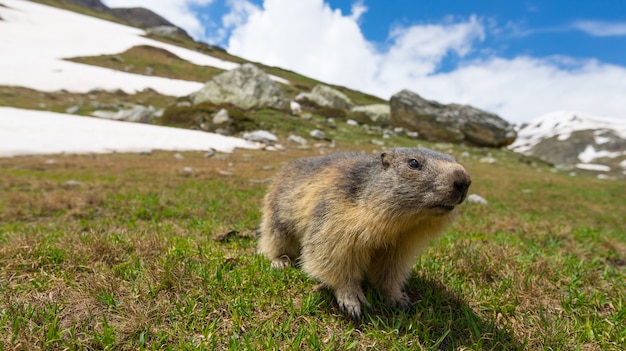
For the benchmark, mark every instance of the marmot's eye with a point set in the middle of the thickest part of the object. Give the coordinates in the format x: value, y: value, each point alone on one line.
x: 414, y: 164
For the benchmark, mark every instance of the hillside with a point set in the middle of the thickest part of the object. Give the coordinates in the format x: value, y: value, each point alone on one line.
x: 576, y: 142
x: 109, y: 242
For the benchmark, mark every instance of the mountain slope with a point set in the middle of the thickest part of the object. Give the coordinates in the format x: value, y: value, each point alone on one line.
x: 577, y: 141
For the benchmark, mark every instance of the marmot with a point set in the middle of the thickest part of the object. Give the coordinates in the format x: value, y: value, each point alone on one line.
x: 348, y: 217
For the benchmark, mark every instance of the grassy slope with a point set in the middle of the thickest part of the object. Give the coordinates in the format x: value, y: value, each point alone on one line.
x: 133, y: 258
x: 128, y: 259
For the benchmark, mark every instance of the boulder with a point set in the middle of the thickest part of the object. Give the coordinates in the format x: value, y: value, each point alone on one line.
x: 139, y: 113
x: 327, y: 97
x: 247, y: 87
x: 450, y: 123
x: 377, y: 114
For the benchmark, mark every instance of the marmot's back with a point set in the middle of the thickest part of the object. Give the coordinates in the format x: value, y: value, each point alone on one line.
x: 349, y: 216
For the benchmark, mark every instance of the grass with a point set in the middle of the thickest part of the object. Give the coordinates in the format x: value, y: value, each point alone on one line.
x: 59, y: 101
x: 151, y: 61
x: 140, y: 254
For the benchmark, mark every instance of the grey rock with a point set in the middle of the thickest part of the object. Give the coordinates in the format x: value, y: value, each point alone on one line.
x: 377, y: 113
x: 476, y: 199
x: 221, y: 117
x: 261, y: 136
x: 72, y: 109
x: 317, y: 134
x: 138, y: 113
x: 247, y: 87
x: 451, y: 123
x: 326, y: 96
x: 296, y: 139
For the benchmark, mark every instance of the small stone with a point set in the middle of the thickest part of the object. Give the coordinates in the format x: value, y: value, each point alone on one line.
x: 72, y: 182
x: 179, y: 156
x: 296, y: 139
x: 261, y: 136
x: 412, y: 135
x: 189, y: 169
x: 209, y: 153
x: 352, y: 123
x: 317, y: 134
x: 221, y: 117
x: 476, y: 199
x: 377, y: 142
x: 72, y: 109
x: 488, y: 160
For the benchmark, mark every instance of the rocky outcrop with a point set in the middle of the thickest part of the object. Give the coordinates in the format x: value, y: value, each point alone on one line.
x: 449, y: 123
x: 326, y: 96
x: 247, y: 87
x: 137, y: 17
x: 139, y: 114
x: 571, y: 140
x: 377, y: 114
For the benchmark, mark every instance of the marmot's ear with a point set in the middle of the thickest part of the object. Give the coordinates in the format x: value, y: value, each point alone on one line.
x: 385, y: 159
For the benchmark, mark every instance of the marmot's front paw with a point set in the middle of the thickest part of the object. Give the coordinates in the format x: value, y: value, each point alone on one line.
x: 403, y: 301
x: 281, y: 262
x: 350, y: 301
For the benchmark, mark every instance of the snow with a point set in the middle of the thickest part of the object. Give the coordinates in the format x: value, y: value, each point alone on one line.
x: 593, y: 167
x: 590, y: 154
x: 28, y: 132
x: 562, y: 124
x: 36, y: 38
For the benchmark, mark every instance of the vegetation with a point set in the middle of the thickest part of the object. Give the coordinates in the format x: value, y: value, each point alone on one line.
x: 133, y: 252
x: 127, y: 252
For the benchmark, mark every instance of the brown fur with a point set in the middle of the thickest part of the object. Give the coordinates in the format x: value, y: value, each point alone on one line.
x: 348, y: 217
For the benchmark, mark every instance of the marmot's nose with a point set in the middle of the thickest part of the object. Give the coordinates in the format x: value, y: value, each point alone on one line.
x: 461, y: 181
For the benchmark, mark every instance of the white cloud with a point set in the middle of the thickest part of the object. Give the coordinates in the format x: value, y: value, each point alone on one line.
x: 601, y: 29
x: 179, y: 12
x: 309, y: 37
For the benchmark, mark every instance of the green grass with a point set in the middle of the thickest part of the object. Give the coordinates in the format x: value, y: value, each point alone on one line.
x: 136, y: 257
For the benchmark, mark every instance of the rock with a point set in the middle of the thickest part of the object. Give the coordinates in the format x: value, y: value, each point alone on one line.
x: 179, y: 156
x: 451, y: 123
x: 296, y: 139
x: 377, y: 114
x: 328, y: 97
x: 72, y: 109
x: 317, y: 134
x: 295, y: 108
x: 188, y: 169
x: 488, y: 160
x: 476, y: 199
x: 247, y: 87
x: 210, y: 153
x: 221, y: 117
x: 413, y: 135
x: 260, y: 136
x: 138, y: 113
x: 166, y: 31
x: 352, y: 123
x: 73, y: 183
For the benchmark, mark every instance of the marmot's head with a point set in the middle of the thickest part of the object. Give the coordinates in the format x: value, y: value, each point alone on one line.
x: 425, y: 181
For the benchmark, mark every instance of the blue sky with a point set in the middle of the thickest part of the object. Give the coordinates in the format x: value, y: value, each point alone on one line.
x: 520, y: 59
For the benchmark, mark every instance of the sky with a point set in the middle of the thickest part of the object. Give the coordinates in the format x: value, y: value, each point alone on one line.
x: 520, y: 59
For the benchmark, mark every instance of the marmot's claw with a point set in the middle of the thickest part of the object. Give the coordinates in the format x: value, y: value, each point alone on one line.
x: 350, y: 304
x: 353, y: 311
x: 281, y: 262
x: 402, y: 302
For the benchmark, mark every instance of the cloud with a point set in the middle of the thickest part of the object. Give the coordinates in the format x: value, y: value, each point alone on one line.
x: 311, y: 38
x: 179, y: 12
x: 601, y: 29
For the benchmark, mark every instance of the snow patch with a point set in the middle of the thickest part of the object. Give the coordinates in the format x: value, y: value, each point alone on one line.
x: 28, y: 132
x: 593, y: 167
x: 562, y: 124
x: 36, y: 38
